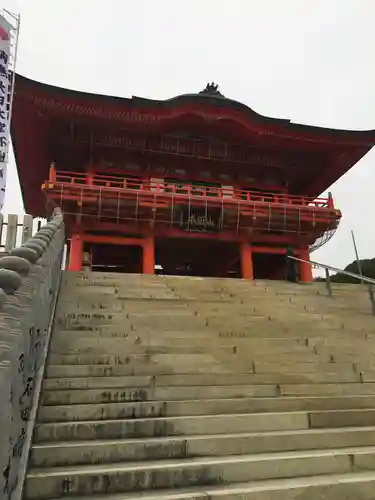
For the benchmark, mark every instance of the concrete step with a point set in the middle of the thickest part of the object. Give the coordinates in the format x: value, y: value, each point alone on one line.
x: 129, y: 337
x: 268, y: 331
x: 301, y: 306
x: 350, y: 486
x: 61, y: 371
x: 225, y: 386
x: 258, y: 338
x: 204, y: 392
x: 188, y: 379
x: 120, y: 348
x: 298, y: 367
x: 174, y: 426
x: 135, y: 360
x: 102, y: 351
x: 178, y: 320
x: 203, y: 424
x: 117, y: 289
x: 342, y: 418
x: 83, y: 359
x: 247, y: 349
x: 122, y: 450
x: 89, y: 396
x: 351, y: 351
x: 341, y: 389
x: 189, y: 367
x: 115, y: 478
x: 109, y: 411
x: 262, y: 345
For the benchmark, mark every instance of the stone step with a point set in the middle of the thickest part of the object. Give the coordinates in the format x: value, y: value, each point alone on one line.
x: 61, y: 371
x: 157, y: 382
x: 115, y: 478
x: 115, y: 451
x: 351, y: 389
x: 248, y: 348
x: 189, y: 367
x: 106, y: 291
x: 284, y: 344
x: 89, y: 396
x: 174, y: 426
x: 367, y: 375
x: 354, y: 350
x: 268, y: 331
x: 147, y: 335
x: 366, y: 359
x: 178, y: 321
x: 204, y: 424
x: 350, y: 486
x: 120, y: 348
x: 124, y: 350
x: 137, y: 360
x: 96, y: 304
x: 342, y: 418
x: 305, y: 368
x: 219, y: 339
x: 178, y: 393
x: 144, y: 409
x: 269, y: 336
x: 134, y: 359
x: 188, y: 379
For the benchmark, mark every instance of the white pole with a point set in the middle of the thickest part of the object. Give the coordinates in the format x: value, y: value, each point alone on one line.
x: 357, y: 256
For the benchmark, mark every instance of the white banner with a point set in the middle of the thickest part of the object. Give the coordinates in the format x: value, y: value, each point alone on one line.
x: 5, y: 92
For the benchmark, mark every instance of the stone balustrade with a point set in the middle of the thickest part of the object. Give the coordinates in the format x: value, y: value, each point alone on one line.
x: 29, y: 281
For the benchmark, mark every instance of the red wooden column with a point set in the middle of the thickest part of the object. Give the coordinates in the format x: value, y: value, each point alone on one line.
x: 148, y: 256
x: 305, y: 269
x: 76, y: 253
x: 52, y: 173
x: 247, y: 272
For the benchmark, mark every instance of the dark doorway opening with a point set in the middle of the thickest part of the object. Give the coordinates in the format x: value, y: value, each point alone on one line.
x: 189, y: 257
x: 269, y: 266
x: 116, y: 258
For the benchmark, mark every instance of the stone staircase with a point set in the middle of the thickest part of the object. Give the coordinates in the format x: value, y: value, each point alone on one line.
x: 182, y: 388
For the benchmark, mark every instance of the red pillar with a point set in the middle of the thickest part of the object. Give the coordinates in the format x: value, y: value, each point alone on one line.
x: 52, y: 173
x: 76, y: 253
x: 247, y: 271
x: 148, y: 256
x: 305, y: 269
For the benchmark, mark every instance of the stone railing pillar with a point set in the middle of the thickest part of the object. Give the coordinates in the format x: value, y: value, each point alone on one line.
x: 29, y: 279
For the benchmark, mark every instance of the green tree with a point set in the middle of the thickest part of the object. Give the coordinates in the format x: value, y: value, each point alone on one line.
x: 368, y: 270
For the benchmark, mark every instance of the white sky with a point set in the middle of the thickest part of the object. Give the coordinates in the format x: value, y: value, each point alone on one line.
x: 311, y: 61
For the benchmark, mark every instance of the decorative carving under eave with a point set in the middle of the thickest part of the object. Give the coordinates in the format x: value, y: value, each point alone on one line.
x: 211, y: 89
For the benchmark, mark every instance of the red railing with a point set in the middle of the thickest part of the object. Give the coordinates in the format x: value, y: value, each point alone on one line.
x: 165, y: 188
x: 149, y: 201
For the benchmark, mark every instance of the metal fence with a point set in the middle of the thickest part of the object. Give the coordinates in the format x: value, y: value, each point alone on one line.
x: 369, y: 282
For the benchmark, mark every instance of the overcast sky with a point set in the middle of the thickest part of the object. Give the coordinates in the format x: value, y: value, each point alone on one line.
x: 311, y: 61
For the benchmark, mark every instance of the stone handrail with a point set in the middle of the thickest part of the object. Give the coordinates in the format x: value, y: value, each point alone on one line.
x: 29, y: 282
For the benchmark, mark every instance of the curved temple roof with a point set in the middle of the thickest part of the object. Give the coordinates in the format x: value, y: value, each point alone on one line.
x: 36, y: 104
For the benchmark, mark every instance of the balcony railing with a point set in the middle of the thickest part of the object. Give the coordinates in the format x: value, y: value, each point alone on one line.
x: 161, y: 202
x: 71, y: 179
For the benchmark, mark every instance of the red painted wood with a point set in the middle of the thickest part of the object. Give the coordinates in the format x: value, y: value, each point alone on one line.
x: 148, y: 256
x: 42, y: 114
x: 76, y: 253
x: 306, y: 274
x: 247, y: 271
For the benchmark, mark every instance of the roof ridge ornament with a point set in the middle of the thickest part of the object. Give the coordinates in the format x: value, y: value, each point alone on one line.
x: 212, y: 89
